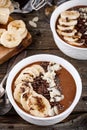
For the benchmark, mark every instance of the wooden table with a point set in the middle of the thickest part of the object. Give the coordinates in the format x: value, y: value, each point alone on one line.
x: 43, y: 43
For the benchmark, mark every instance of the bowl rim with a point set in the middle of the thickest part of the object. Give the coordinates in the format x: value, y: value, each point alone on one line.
x: 57, y: 10
x: 14, y: 71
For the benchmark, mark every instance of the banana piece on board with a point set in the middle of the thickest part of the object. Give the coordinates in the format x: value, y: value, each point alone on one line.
x: 11, y: 8
x: 18, y: 26
x: 4, y: 15
x: 2, y: 30
x: 10, y: 39
x: 8, y: 4
x: 3, y: 3
x: 70, y: 14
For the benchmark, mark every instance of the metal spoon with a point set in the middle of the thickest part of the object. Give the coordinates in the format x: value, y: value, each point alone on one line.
x: 5, y: 104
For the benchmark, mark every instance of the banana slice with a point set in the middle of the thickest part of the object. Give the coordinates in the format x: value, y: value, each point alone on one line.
x: 4, y: 15
x: 23, y: 100
x: 76, y: 43
x: 31, y: 71
x: 3, y: 3
x: 17, y: 26
x: 28, y: 74
x: 2, y: 31
x: 74, y: 38
x: 11, y: 8
x: 24, y: 34
x: 24, y: 77
x: 70, y: 14
x: 67, y: 34
x: 35, y: 71
x: 63, y: 28
x: 39, y: 68
x: 21, y: 88
x: 10, y: 39
x: 8, y: 4
x: 67, y: 23
x: 38, y: 105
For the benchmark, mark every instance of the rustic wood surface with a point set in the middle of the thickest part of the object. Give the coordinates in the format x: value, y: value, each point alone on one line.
x: 43, y: 43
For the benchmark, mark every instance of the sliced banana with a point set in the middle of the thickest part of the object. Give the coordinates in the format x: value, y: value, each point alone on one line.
x: 11, y: 8
x: 74, y: 38
x: 35, y: 71
x: 3, y: 3
x: 21, y: 88
x: 17, y: 26
x: 28, y: 74
x: 2, y: 31
x: 10, y: 39
x: 8, y: 4
x: 23, y: 100
x: 67, y: 34
x: 76, y: 43
x: 63, y: 28
x: 24, y: 77
x: 4, y: 15
x: 70, y: 14
x: 30, y: 71
x: 24, y: 34
x: 39, y: 68
x: 38, y: 105
x: 67, y: 23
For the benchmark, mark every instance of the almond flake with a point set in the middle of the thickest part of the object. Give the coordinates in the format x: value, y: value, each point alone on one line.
x: 33, y: 24
x: 35, y: 19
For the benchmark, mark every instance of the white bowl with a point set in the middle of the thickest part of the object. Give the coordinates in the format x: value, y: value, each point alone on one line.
x: 44, y: 57
x: 69, y: 50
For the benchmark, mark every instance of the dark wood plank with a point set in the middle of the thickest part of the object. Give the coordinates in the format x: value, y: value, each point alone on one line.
x: 79, y: 123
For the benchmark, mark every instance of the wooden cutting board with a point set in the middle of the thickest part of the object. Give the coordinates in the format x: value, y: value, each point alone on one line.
x: 7, y: 53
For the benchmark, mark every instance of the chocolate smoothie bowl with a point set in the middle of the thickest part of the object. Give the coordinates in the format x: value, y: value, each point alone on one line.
x: 44, y: 89
x: 69, y: 26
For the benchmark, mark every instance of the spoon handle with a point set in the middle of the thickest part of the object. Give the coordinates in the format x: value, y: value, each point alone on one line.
x: 2, y: 90
x: 17, y: 59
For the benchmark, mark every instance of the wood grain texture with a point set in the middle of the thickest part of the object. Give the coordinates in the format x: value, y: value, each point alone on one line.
x: 42, y: 42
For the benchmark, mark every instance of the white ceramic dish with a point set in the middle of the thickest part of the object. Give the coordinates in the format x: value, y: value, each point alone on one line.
x: 44, y: 57
x: 69, y: 50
